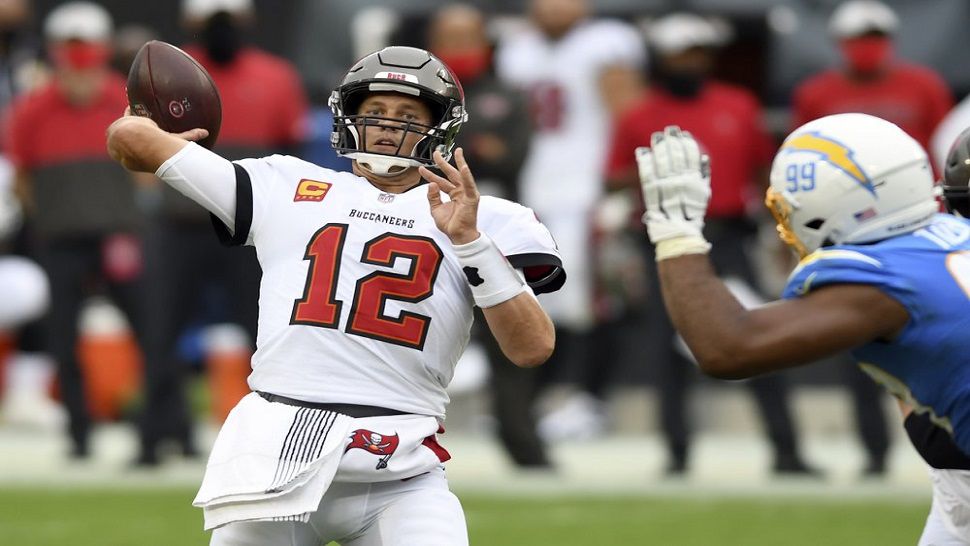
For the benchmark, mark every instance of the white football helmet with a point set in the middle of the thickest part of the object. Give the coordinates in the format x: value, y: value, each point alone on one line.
x: 849, y: 178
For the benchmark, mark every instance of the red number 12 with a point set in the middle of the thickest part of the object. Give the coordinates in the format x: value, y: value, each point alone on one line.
x: 319, y: 306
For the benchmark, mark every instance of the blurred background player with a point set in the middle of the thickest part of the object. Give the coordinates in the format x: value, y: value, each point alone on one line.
x: 82, y: 204
x: 263, y: 112
x: 719, y: 116
x: 28, y: 372
x: 495, y: 140
x: 871, y: 80
x: 21, y: 68
x: 25, y: 293
x: 577, y: 72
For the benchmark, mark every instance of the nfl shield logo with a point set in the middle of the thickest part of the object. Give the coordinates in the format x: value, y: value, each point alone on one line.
x: 385, y: 197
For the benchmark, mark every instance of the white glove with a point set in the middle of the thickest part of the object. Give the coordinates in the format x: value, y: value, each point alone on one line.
x: 676, y: 184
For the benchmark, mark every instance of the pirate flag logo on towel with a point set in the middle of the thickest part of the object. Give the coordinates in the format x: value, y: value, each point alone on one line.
x: 375, y: 444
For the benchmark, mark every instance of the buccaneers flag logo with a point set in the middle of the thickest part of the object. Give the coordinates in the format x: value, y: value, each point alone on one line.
x: 375, y: 444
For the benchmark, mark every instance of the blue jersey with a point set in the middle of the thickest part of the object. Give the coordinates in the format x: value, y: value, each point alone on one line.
x: 928, y: 272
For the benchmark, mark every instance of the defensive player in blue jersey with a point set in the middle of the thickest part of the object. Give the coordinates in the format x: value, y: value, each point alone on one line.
x: 882, y: 274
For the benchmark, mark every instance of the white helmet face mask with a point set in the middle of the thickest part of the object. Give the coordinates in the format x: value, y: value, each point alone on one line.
x: 849, y: 178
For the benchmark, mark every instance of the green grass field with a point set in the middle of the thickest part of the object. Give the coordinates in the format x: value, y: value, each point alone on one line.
x: 118, y: 517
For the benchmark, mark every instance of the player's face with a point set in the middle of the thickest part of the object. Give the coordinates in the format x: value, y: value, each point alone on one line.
x: 387, y: 135
x: 696, y: 60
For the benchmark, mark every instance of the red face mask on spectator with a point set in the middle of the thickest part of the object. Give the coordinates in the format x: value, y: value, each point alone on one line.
x: 468, y: 65
x: 868, y: 53
x: 80, y: 55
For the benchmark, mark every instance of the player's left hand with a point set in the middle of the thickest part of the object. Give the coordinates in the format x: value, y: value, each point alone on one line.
x: 676, y: 184
x: 458, y: 217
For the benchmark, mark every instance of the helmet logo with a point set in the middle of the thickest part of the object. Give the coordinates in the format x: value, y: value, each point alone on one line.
x: 399, y: 76
x: 832, y: 152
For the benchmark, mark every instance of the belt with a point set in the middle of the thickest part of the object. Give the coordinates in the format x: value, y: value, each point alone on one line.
x: 353, y: 410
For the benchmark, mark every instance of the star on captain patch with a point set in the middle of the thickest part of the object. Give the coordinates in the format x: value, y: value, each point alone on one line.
x: 471, y: 273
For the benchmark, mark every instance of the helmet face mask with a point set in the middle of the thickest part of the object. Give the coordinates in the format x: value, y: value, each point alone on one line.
x: 849, y: 178
x: 409, y: 72
x: 781, y: 210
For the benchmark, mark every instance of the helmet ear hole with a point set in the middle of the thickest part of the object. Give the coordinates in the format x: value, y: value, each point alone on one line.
x: 815, y: 224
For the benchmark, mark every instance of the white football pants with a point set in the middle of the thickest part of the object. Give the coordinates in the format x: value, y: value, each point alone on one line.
x: 420, y: 510
x: 949, y: 521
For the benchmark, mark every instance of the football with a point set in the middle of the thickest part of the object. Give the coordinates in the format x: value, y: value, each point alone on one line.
x: 167, y: 85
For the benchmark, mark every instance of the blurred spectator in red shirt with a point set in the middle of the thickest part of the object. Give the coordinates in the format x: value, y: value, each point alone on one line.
x: 871, y: 80
x: 264, y: 110
x: 726, y: 121
x: 81, y: 204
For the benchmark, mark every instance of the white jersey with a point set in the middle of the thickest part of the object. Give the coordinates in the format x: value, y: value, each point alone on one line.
x: 362, y: 299
x: 564, y: 170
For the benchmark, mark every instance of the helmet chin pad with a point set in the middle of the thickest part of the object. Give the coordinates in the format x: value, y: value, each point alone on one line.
x: 383, y: 165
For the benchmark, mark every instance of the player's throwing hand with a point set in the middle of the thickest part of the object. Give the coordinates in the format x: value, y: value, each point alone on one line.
x: 458, y: 217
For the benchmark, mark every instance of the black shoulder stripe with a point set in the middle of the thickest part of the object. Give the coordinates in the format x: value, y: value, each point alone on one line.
x: 244, y: 212
x: 550, y: 281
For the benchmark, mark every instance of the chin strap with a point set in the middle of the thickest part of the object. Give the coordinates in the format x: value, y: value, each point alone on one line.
x: 383, y: 165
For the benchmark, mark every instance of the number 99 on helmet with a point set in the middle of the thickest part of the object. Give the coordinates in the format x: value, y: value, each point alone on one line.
x: 849, y: 178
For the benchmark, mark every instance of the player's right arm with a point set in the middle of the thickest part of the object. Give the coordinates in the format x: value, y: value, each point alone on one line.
x: 840, y: 298
x: 201, y: 175
x: 141, y: 146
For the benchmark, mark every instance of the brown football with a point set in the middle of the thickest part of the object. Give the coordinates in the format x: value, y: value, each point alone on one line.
x: 167, y: 85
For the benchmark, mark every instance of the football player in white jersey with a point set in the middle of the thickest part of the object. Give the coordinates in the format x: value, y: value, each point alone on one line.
x: 577, y: 71
x: 369, y: 281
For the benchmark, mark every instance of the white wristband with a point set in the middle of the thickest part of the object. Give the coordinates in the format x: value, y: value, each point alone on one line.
x: 491, y: 277
x: 681, y: 246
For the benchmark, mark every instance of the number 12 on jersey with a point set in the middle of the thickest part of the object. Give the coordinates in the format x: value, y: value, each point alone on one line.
x: 320, y: 307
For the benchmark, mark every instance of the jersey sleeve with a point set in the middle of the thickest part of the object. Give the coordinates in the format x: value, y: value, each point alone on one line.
x: 843, y: 266
x: 253, y: 179
x: 525, y: 241
x: 208, y: 179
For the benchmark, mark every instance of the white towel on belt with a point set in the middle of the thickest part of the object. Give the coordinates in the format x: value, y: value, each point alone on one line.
x: 271, y: 461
